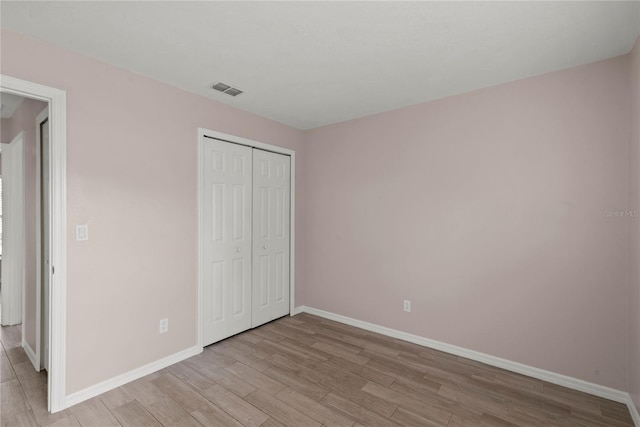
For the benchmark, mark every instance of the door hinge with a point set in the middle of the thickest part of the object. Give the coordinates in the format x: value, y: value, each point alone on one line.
x: 53, y: 270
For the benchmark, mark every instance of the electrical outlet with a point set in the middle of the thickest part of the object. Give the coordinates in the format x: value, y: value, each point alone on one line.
x: 164, y: 325
x: 407, y: 305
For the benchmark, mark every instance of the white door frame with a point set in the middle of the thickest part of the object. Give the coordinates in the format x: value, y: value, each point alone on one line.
x: 13, y: 272
x: 57, y: 100
x: 44, y: 115
x: 202, y: 134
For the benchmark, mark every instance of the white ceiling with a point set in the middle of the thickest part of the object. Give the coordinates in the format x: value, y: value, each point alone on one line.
x: 308, y: 64
x: 9, y: 104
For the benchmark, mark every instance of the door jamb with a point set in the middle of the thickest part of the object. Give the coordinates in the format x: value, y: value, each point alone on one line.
x: 44, y: 114
x: 57, y: 100
x: 202, y: 133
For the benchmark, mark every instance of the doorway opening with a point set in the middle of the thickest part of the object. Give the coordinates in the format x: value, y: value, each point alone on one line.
x: 25, y: 235
x: 41, y: 279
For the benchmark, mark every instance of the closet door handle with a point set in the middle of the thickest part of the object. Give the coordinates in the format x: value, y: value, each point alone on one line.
x: 264, y: 246
x: 238, y: 250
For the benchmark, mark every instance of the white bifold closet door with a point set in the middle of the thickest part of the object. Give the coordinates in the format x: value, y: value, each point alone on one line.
x: 246, y: 218
x: 271, y: 216
x: 227, y: 240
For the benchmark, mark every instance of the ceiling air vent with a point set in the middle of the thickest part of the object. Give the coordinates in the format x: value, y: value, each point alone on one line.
x: 228, y: 89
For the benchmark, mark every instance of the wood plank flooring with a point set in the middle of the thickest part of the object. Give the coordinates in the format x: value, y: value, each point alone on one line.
x: 307, y: 371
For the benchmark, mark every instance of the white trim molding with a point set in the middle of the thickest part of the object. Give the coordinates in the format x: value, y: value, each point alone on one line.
x: 13, y: 242
x: 301, y: 309
x: 110, y: 384
x: 634, y: 410
x: 57, y: 100
x: 202, y: 133
x: 541, y: 374
x: 30, y: 354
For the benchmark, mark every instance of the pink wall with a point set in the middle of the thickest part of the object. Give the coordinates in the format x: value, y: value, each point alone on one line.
x: 634, y: 228
x: 131, y: 175
x: 487, y: 211
x: 24, y: 119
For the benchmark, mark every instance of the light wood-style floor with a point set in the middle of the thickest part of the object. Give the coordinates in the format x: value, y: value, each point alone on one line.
x: 306, y: 371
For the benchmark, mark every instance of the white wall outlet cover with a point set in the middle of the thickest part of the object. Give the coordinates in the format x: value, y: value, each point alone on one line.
x: 407, y: 305
x: 82, y: 232
x: 164, y: 326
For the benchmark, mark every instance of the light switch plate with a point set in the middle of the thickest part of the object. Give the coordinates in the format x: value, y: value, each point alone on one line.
x: 82, y: 232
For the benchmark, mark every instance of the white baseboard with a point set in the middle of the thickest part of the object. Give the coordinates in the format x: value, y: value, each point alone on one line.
x: 110, y: 384
x: 298, y: 310
x: 541, y: 374
x: 634, y: 411
x: 31, y: 355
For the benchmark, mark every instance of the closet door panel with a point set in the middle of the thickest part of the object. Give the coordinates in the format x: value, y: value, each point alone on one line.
x: 271, y: 220
x: 227, y: 240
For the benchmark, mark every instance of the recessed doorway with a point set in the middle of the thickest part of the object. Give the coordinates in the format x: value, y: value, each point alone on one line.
x: 54, y: 273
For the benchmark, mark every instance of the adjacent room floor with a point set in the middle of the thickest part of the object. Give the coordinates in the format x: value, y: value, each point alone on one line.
x: 307, y: 371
